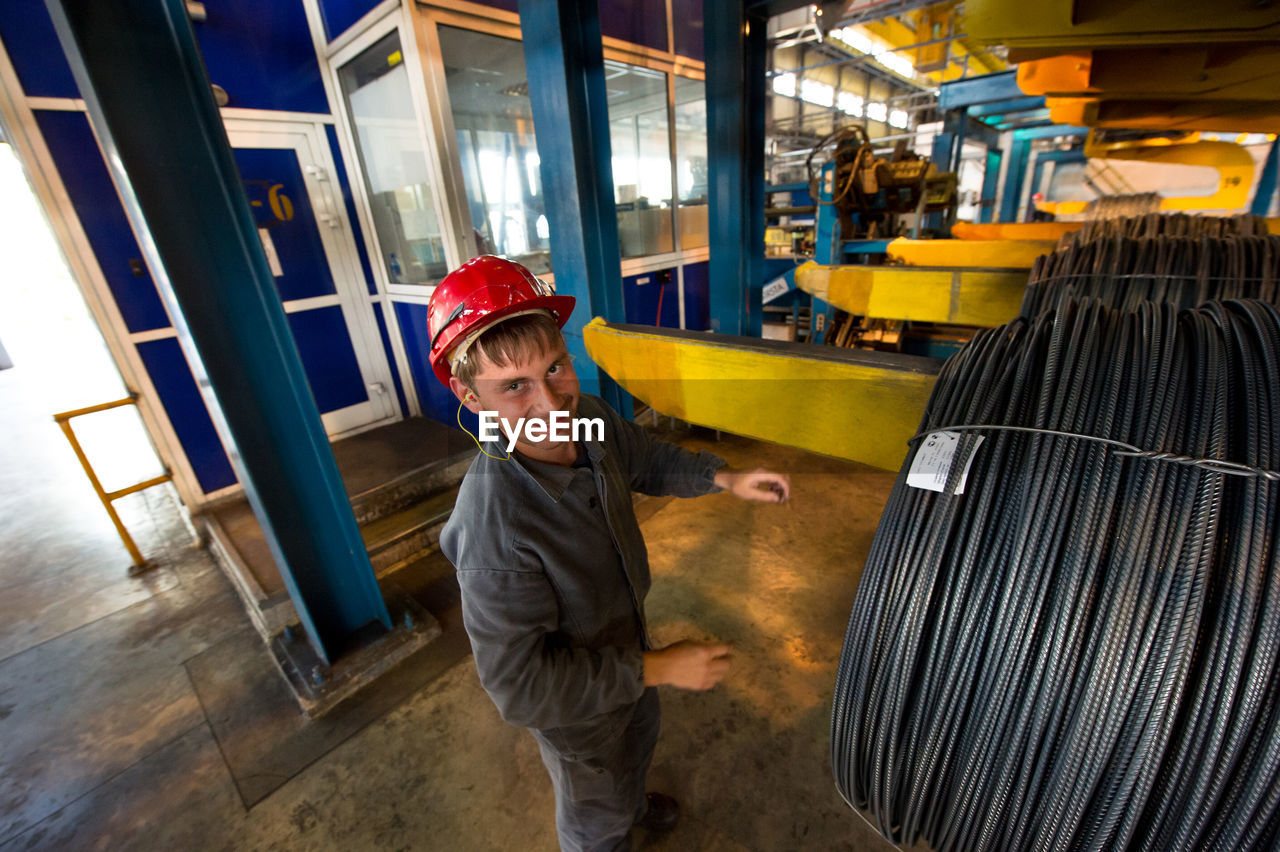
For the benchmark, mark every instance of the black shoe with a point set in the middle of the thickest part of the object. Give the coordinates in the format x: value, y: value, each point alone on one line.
x: 662, y: 815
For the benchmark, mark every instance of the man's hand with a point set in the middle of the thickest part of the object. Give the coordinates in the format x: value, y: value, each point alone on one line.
x: 759, y: 484
x: 687, y: 665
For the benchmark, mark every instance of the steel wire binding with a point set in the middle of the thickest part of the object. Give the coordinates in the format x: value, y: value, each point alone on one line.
x: 1125, y: 450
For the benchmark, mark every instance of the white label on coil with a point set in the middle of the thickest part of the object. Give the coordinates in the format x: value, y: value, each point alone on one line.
x: 932, y: 463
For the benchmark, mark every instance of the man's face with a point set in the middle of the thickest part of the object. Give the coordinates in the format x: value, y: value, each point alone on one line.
x: 535, y: 383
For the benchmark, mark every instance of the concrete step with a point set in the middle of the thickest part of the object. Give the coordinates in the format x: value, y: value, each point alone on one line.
x: 409, y: 488
x: 401, y: 479
x: 414, y: 531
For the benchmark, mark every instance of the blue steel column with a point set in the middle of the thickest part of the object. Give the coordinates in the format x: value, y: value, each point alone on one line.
x: 735, y: 72
x: 1266, y: 182
x: 564, y: 60
x: 149, y: 101
x: 1014, y: 177
x: 990, y: 179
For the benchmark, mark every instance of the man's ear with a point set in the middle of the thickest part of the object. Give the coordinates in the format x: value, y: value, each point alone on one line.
x: 464, y: 394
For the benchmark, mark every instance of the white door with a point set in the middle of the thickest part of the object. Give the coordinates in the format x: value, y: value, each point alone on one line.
x: 288, y: 178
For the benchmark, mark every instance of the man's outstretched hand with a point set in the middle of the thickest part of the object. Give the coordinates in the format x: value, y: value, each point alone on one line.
x: 759, y: 484
x: 687, y: 665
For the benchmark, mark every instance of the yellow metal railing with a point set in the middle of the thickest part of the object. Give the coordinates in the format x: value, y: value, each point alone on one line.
x: 107, y: 497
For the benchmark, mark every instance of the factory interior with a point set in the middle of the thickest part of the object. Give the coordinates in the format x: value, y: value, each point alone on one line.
x: 995, y: 284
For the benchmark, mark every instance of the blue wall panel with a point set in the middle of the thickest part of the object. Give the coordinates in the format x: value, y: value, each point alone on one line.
x: 697, y: 296
x: 345, y: 184
x: 182, y: 402
x: 339, y: 15
x: 391, y: 358
x: 687, y: 28
x: 642, y: 293
x: 262, y: 54
x: 330, y: 361
x: 75, y: 153
x: 265, y: 171
x: 437, y: 401
x: 642, y: 22
x: 34, y: 50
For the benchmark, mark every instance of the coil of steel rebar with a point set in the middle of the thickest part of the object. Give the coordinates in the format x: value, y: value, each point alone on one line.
x: 1115, y: 206
x: 1125, y: 271
x: 1169, y: 225
x: 1082, y: 649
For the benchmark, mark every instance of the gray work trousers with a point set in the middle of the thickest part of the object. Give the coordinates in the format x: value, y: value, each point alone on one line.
x: 600, y: 796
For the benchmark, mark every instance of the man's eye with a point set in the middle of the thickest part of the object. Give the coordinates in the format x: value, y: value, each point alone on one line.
x: 555, y: 368
x: 514, y: 386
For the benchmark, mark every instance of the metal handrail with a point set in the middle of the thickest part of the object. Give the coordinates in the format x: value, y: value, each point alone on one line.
x: 107, y: 497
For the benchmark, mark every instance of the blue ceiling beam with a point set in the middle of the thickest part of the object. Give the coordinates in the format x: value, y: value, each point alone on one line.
x: 1049, y: 132
x: 150, y: 103
x: 1012, y: 105
x: 974, y: 91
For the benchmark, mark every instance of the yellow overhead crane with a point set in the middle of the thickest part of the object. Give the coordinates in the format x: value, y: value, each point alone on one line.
x: 924, y: 35
x: 1203, y: 87
x: 1142, y: 64
x: 1071, y: 24
x: 1234, y: 164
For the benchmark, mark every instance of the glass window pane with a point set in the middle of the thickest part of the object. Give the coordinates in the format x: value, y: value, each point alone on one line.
x: 691, y: 161
x: 489, y: 98
x: 393, y: 157
x: 639, y: 135
x: 816, y: 92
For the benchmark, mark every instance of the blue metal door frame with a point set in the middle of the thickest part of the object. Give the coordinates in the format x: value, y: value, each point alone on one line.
x: 149, y: 100
x: 1075, y: 155
x: 735, y: 84
x: 990, y: 180
x: 564, y: 59
x: 1014, y: 178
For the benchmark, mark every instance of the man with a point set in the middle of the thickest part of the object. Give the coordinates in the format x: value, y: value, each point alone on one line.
x: 550, y: 559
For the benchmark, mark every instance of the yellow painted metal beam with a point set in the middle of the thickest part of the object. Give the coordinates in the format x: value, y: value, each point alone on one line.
x: 1236, y: 73
x: 1171, y: 115
x: 1234, y: 164
x: 989, y: 254
x: 847, y: 403
x: 1073, y: 23
x: 896, y: 34
x: 983, y: 297
x: 1014, y: 230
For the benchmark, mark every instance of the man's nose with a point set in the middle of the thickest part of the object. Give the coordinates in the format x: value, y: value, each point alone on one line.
x: 547, y: 398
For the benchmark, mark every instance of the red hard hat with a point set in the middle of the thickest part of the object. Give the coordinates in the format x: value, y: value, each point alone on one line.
x: 480, y: 292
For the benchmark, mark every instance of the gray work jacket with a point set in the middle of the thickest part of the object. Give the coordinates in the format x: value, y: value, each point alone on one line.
x: 554, y: 572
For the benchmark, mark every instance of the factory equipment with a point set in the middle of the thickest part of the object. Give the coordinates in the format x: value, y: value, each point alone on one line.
x: 873, y: 196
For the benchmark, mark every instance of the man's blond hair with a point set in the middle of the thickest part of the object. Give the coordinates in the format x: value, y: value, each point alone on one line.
x: 507, y: 341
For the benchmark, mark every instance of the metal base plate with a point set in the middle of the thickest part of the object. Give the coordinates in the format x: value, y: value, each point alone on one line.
x: 374, y: 651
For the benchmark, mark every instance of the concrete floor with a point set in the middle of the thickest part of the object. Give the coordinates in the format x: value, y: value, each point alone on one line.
x: 144, y: 713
